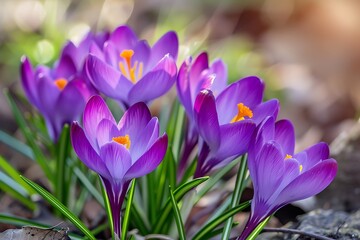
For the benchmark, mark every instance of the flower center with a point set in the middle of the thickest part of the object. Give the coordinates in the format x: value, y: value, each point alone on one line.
x: 132, y: 72
x: 60, y: 83
x: 243, y: 111
x: 288, y: 156
x: 123, y: 140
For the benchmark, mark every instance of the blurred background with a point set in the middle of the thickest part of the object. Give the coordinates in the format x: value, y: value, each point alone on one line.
x: 307, y: 52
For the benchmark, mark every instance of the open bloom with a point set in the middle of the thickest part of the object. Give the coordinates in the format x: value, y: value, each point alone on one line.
x: 194, y: 76
x: 279, y: 176
x: 60, y: 93
x: 128, y: 70
x: 226, y: 124
x: 118, y: 152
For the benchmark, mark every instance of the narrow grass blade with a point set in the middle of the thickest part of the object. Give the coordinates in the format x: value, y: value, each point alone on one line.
x: 60, y: 207
x: 127, y: 210
x: 222, y: 218
x: 15, y: 190
x: 178, y: 195
x: 258, y: 229
x: 88, y: 185
x: 62, y: 154
x: 39, y: 157
x: 15, y: 144
x: 15, y: 175
x: 240, y: 179
x: 218, y: 231
x: 214, y: 180
x: 138, y: 220
x: 177, y: 216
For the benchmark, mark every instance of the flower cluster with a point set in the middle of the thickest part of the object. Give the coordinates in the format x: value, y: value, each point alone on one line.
x: 223, y: 121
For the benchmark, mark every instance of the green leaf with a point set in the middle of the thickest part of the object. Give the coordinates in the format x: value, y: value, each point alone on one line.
x: 60, y: 207
x: 218, y: 231
x: 62, y: 154
x: 15, y: 175
x: 15, y: 190
x: 178, y: 195
x: 39, y: 157
x: 15, y: 144
x: 138, y: 219
x: 214, y: 180
x: 88, y: 185
x: 127, y: 210
x: 190, y: 170
x: 239, y: 183
x: 223, y: 217
x: 177, y: 216
x: 258, y: 229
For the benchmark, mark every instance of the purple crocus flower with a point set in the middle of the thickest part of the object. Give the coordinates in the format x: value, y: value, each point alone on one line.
x: 118, y: 152
x: 128, y: 70
x: 193, y: 77
x: 60, y: 93
x: 226, y: 123
x: 279, y: 176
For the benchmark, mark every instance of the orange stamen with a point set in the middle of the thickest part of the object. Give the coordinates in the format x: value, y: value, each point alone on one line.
x: 128, y: 70
x: 243, y: 111
x: 123, y: 140
x: 288, y: 156
x: 60, y: 83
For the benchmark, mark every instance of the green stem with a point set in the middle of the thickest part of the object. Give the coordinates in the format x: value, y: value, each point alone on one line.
x: 236, y: 195
x: 127, y: 210
x: 62, y: 154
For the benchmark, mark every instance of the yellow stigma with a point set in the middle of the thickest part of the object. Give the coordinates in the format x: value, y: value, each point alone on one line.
x: 123, y: 140
x: 288, y: 156
x: 300, y: 167
x: 243, y: 111
x: 60, y: 83
x: 128, y: 70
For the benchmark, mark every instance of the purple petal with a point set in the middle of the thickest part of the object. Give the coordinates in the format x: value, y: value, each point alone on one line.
x: 263, y: 110
x: 155, y: 83
x: 206, y: 119
x: 124, y: 38
x: 145, y: 139
x: 291, y: 171
x: 116, y: 158
x: 134, y: 120
x: 95, y: 111
x: 149, y: 160
x: 106, y: 130
x: 317, y: 153
x: 268, y: 171
x: 218, y: 68
x: 183, y: 87
x: 28, y: 80
x: 200, y: 64
x: 48, y: 94
x: 85, y: 151
x: 248, y: 91
x: 167, y: 44
x: 235, y: 138
x: 111, y: 55
x: 97, y: 52
x: 106, y: 79
x: 142, y: 54
x: 309, y: 183
x: 285, y: 136
x: 66, y: 66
